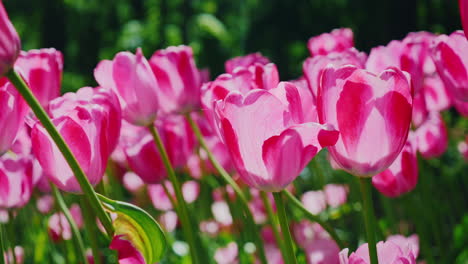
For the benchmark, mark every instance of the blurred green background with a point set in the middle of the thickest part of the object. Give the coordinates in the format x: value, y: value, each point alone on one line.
x: 87, y: 31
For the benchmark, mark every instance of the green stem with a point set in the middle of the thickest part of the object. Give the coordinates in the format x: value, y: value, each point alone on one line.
x: 10, y: 232
x: 369, y: 217
x: 243, y: 200
x: 86, y: 187
x: 316, y: 219
x: 91, y: 229
x: 81, y: 252
x: 283, y: 219
x: 274, y: 223
x: 2, y: 247
x: 183, y: 211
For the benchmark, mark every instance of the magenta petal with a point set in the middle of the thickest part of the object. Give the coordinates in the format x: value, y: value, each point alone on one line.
x: 127, y: 253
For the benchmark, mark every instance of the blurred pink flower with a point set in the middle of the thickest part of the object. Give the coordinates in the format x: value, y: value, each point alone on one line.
x: 431, y: 136
x: 245, y: 61
x: 335, y: 194
x: 9, y: 42
x: 338, y: 39
x: 227, y: 255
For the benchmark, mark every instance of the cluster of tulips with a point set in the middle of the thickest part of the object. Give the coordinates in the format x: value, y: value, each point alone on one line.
x: 163, y: 130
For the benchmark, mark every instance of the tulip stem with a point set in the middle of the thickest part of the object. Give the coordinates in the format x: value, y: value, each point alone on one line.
x: 76, y: 233
x: 316, y: 219
x: 274, y: 223
x: 91, y: 229
x: 243, y: 200
x: 2, y: 247
x: 40, y: 113
x: 187, y: 226
x: 283, y: 219
x: 369, y: 217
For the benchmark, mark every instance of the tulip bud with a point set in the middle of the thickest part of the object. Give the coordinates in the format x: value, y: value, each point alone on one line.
x: 9, y: 42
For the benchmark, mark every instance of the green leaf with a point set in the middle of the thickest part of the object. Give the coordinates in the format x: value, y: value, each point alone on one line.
x: 138, y: 227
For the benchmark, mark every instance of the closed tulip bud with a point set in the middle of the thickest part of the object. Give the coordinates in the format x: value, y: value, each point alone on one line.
x: 245, y: 61
x: 10, y: 44
x: 89, y: 122
x: 265, y: 133
x: 13, y: 110
x: 339, y: 39
x: 402, y: 176
x: 367, y: 110
x: 130, y: 76
x: 432, y: 136
x: 450, y: 54
x: 42, y: 70
x: 179, y: 80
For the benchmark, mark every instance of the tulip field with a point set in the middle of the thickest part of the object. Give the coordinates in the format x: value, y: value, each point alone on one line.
x: 175, y: 155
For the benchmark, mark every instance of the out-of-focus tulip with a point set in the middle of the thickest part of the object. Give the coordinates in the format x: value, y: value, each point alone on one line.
x: 89, y: 121
x: 168, y: 221
x: 132, y: 182
x: 402, y: 176
x: 431, y: 136
x: 13, y: 110
x: 306, y: 232
x: 313, y: 67
x: 127, y: 253
x: 461, y: 106
x: 221, y: 213
x: 435, y: 94
x: 10, y: 42
x: 463, y: 148
x: 314, y: 201
x: 388, y: 252
x: 59, y: 228
x: 15, y: 181
x: 141, y: 150
x: 450, y: 54
x: 190, y: 191
x: 322, y: 251
x: 420, y: 112
x: 335, y: 194
x: 463, y: 4
x: 209, y: 227
x: 367, y: 109
x: 42, y: 70
x: 178, y: 79
x: 45, y: 204
x: 19, y: 255
x: 407, y: 244
x: 227, y: 255
x: 273, y: 254
x: 131, y: 77
x: 245, y: 61
x: 273, y: 154
x: 338, y: 39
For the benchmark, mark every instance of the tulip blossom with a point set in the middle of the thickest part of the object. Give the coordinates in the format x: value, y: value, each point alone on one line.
x: 306, y: 232
x: 432, y: 136
x: 273, y: 154
x: 322, y: 251
x: 178, y: 79
x: 407, y: 244
x: 127, y: 253
x: 45, y: 204
x: 339, y: 39
x: 463, y: 148
x: 227, y: 255
x: 402, y: 176
x: 16, y: 184
x: 89, y: 121
x: 314, y: 201
x: 10, y: 44
x: 313, y: 67
x: 13, y: 110
x: 335, y: 194
x: 436, y: 95
x: 140, y: 149
x: 161, y: 200
x: 132, y: 182
x: 388, y: 252
x: 450, y: 54
x: 19, y: 255
x: 461, y: 106
x: 42, y: 70
x: 367, y: 110
x: 463, y: 4
x: 221, y: 213
x: 59, y: 228
x: 130, y: 76
x: 168, y: 220
x: 245, y: 61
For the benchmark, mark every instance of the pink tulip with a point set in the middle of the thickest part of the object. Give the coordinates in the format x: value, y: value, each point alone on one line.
x: 190, y: 191
x: 210, y: 227
x: 168, y: 220
x: 127, y: 253
x: 19, y: 255
x: 463, y: 4
x: 59, y: 228
x: 89, y: 121
x: 141, y: 150
x: 402, y: 176
x: 307, y: 100
x: 450, y: 54
x: 273, y: 154
x: 322, y: 251
x: 178, y: 79
x: 132, y: 182
x: 15, y: 181
x: 367, y: 110
x: 42, y: 70
x: 339, y: 39
x: 245, y: 61
x: 463, y: 148
x: 306, y: 232
x: 12, y: 114
x: 221, y: 213
x: 273, y: 254
x: 10, y: 43
x: 420, y: 111
x: 436, y: 95
x: 227, y: 255
x: 130, y: 76
x: 314, y: 201
x: 461, y: 106
x: 389, y: 252
x: 409, y: 245
x: 45, y: 204
x: 432, y: 136
x: 313, y: 67
x: 336, y: 194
